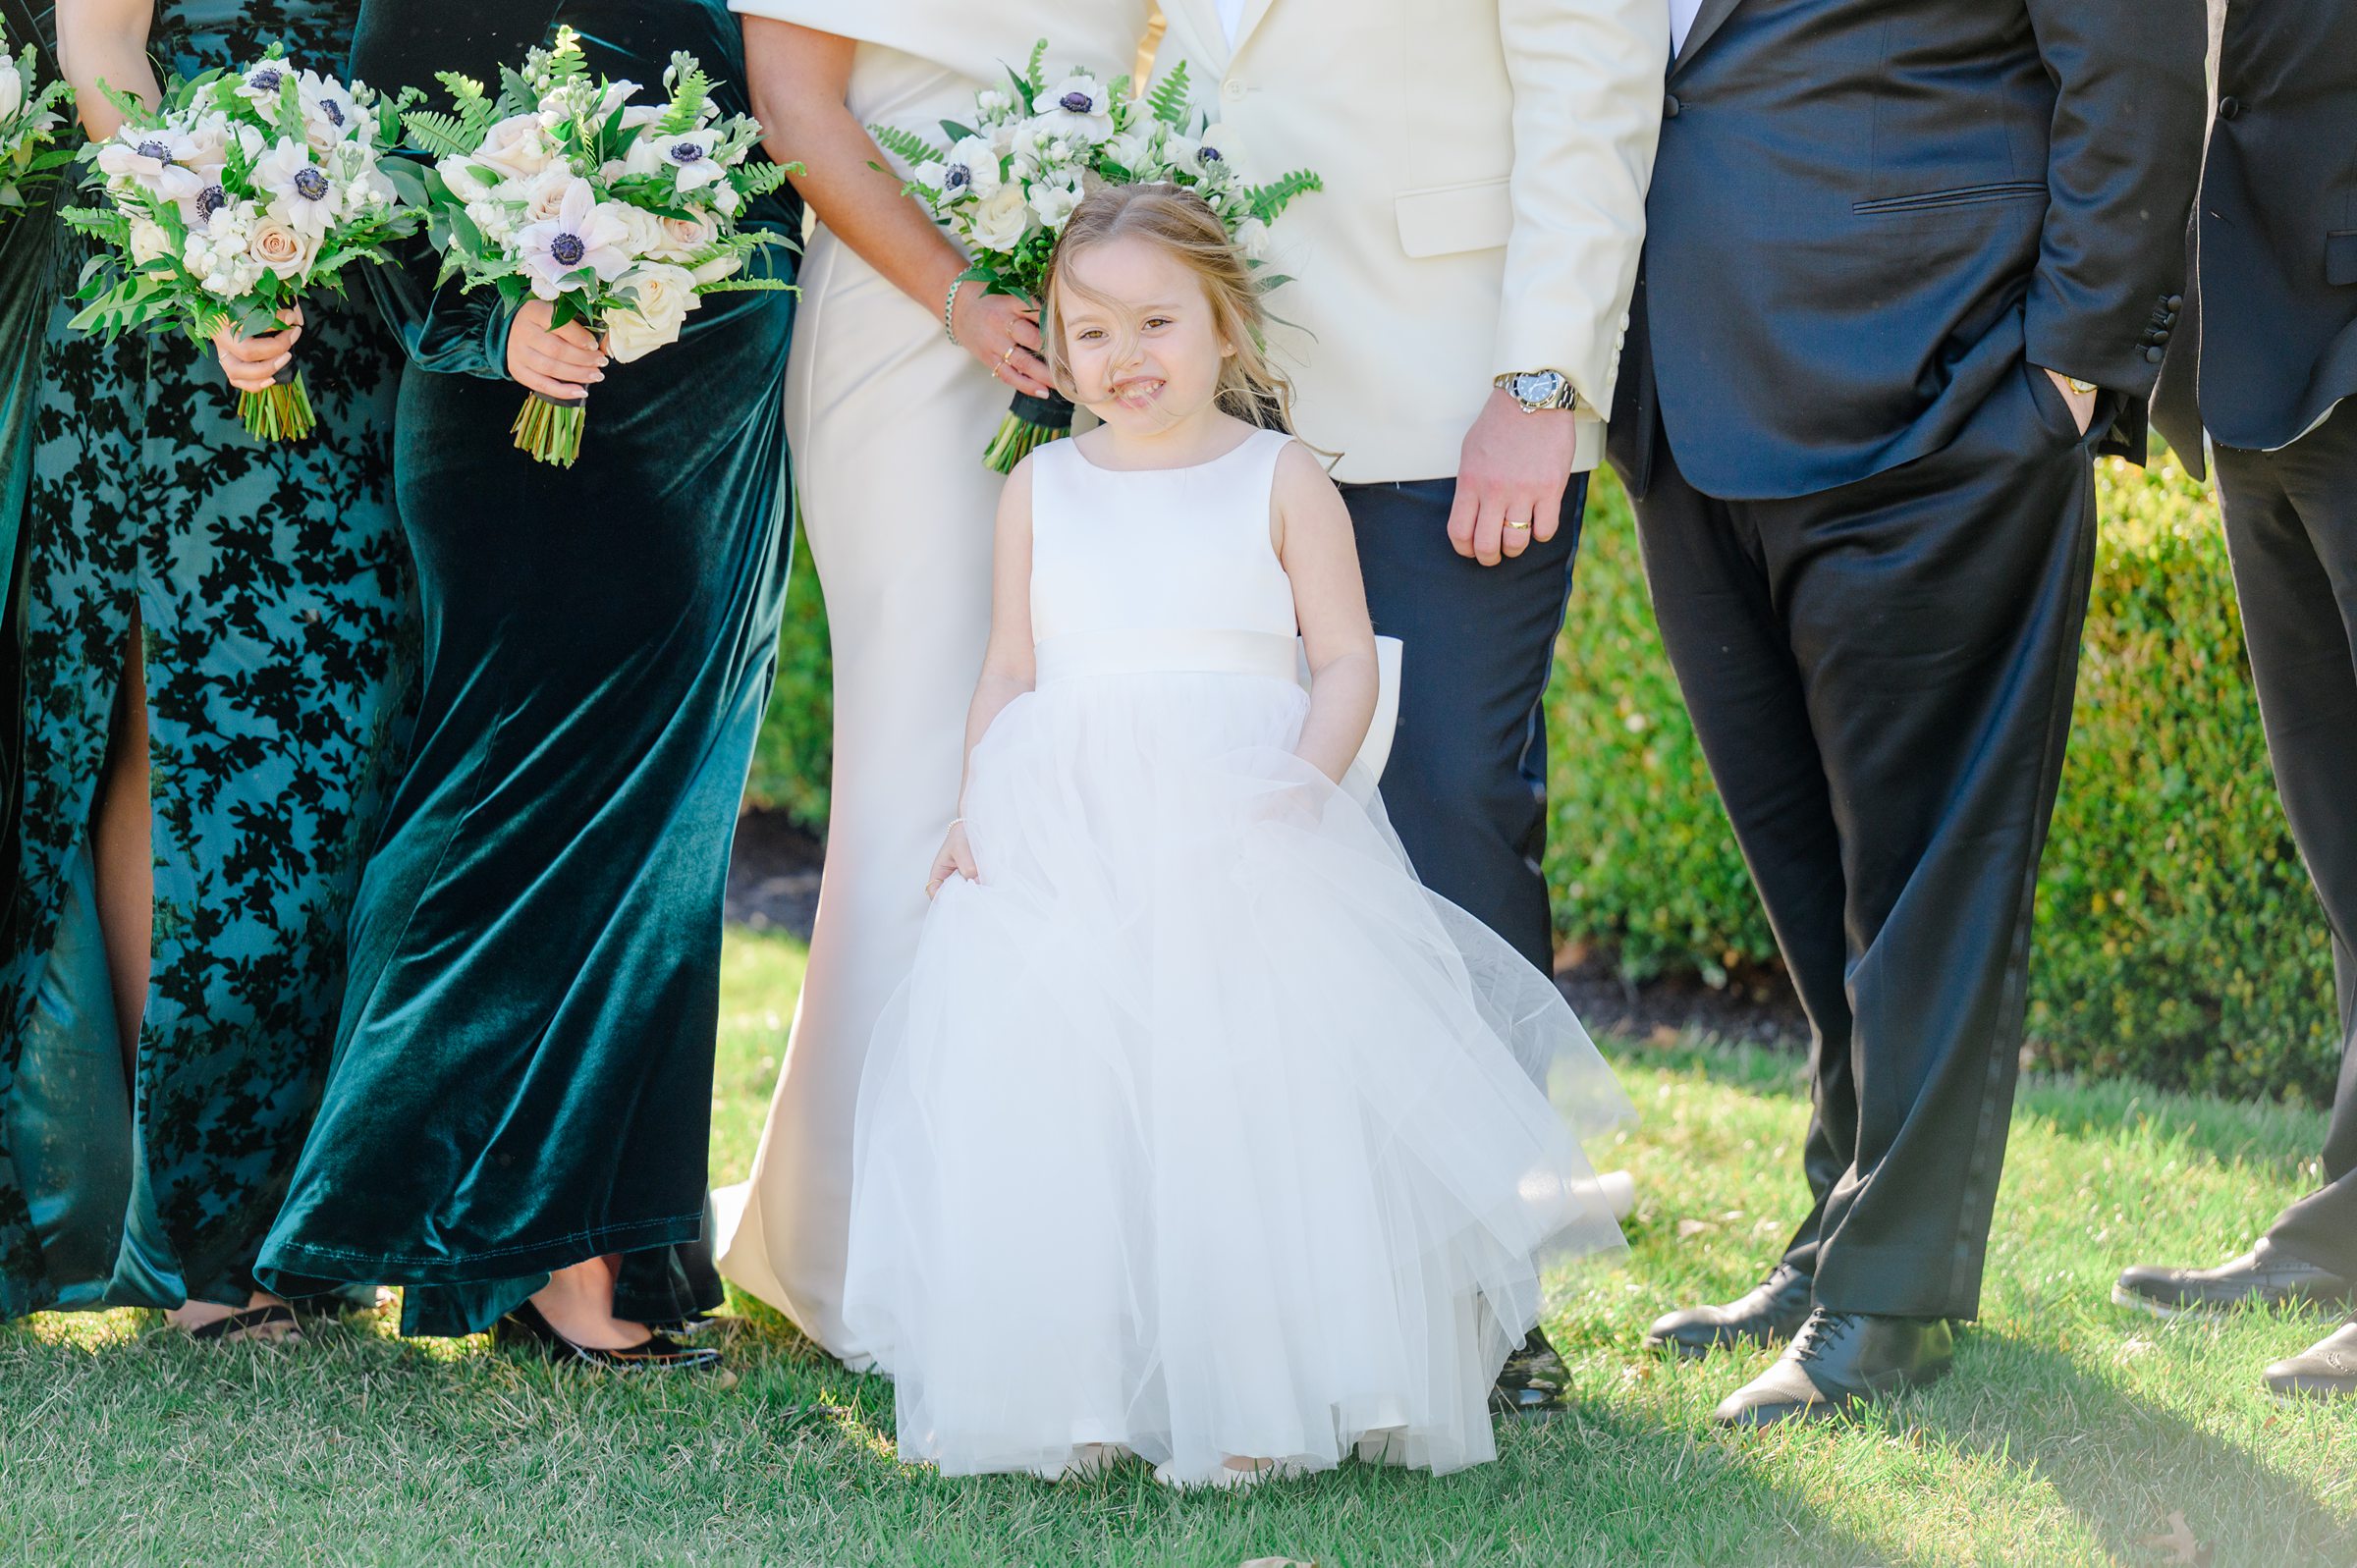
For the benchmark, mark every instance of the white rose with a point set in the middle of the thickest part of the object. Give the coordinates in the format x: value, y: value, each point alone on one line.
x: 1000, y: 223
x: 149, y: 241
x: 1252, y: 239
x: 543, y: 194
x: 515, y: 148
x: 661, y: 296
x: 12, y: 88
x: 280, y: 247
x: 647, y: 233
x: 725, y: 265
x: 725, y: 198
x: 685, y: 237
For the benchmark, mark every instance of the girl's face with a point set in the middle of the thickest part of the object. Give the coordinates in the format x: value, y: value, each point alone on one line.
x: 1139, y: 335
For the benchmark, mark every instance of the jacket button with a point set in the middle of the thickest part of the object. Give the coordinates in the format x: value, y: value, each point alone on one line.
x: 1235, y: 92
x: 2154, y: 356
x: 2177, y: 302
x: 1670, y: 107
x: 2229, y: 108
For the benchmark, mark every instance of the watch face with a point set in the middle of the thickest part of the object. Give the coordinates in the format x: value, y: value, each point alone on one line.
x: 1542, y: 386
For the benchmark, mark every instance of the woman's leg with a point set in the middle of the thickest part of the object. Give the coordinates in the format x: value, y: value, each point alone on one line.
x: 121, y: 848
x: 578, y: 1303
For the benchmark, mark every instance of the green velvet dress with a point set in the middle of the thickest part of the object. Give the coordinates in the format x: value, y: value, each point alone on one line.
x: 524, y: 1073
x: 279, y: 631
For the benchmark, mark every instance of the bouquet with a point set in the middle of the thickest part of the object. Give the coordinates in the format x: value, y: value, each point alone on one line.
x: 225, y: 204
x: 29, y: 125
x: 1006, y: 183
x: 621, y: 214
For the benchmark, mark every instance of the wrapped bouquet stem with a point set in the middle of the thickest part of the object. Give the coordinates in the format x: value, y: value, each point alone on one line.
x: 1006, y: 183
x: 621, y: 215
x: 228, y: 202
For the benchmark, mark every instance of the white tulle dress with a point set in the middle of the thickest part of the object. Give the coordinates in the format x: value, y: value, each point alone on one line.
x: 1200, y: 1127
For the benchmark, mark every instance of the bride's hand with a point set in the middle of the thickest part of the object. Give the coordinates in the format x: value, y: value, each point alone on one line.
x: 561, y: 365
x: 253, y: 363
x: 1003, y: 333
x: 956, y: 859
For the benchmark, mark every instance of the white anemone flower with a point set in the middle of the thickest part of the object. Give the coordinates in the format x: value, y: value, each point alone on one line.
x: 972, y: 170
x: 156, y: 159
x: 586, y: 233
x: 1078, y: 108
x: 687, y: 154
x: 303, y: 196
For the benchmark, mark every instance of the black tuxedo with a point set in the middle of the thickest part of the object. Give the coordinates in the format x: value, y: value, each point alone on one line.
x: 1869, y: 524
x: 1865, y: 212
x: 2275, y: 239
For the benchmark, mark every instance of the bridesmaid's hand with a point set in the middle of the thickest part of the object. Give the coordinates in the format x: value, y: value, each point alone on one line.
x: 1003, y: 333
x: 956, y: 859
x: 561, y: 365
x: 253, y: 363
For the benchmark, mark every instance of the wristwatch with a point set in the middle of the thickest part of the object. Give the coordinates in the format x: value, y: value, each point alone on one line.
x: 2085, y: 389
x: 1535, y: 390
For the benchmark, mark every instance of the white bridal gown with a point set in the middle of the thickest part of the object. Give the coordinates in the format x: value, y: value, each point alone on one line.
x: 1200, y: 1127
x: 888, y: 421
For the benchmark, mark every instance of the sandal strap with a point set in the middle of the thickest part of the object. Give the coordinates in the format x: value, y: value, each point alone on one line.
x: 236, y: 1324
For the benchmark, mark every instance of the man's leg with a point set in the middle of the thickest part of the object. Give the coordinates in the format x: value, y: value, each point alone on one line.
x: 1727, y: 642
x: 1466, y: 782
x: 2292, y: 525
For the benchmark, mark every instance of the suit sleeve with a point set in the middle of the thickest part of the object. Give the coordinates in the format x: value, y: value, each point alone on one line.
x: 1588, y: 79
x: 2123, y: 162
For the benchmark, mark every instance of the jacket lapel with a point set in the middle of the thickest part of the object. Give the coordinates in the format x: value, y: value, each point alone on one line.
x: 1707, y: 20
x: 1254, y: 11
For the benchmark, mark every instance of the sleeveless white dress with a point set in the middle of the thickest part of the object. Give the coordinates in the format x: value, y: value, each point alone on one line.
x: 1200, y: 1127
x: 887, y: 420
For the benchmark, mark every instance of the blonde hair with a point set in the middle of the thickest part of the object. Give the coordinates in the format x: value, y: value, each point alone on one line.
x: 1182, y: 226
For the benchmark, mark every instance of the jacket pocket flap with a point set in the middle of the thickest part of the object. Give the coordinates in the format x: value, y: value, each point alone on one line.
x: 1454, y: 218
x: 2340, y: 256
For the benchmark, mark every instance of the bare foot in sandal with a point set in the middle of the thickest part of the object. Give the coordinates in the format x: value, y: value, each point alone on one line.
x: 263, y: 1319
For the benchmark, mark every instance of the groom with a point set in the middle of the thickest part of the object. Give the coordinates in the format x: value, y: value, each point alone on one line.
x: 1456, y: 329
x: 1908, y: 268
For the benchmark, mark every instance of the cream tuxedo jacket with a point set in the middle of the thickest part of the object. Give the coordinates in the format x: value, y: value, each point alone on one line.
x: 1486, y: 163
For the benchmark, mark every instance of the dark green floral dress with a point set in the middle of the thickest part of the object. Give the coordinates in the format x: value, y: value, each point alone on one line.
x: 279, y: 632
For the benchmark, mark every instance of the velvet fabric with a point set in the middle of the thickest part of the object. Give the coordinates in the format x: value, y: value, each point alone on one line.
x: 522, y: 1077
x: 27, y: 238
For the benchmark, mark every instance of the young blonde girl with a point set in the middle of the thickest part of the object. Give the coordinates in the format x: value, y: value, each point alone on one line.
x: 1200, y: 1130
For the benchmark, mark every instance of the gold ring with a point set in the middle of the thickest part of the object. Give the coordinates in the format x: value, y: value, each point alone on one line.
x: 1519, y: 527
x: 1008, y: 356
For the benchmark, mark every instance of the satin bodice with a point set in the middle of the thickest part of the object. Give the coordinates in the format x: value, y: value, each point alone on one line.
x: 1159, y: 567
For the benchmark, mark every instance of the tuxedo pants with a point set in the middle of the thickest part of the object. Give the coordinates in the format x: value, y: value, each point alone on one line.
x: 2291, y: 530
x: 1466, y: 782
x: 1881, y: 677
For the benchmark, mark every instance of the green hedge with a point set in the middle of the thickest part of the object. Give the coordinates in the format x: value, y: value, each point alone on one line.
x: 2179, y: 939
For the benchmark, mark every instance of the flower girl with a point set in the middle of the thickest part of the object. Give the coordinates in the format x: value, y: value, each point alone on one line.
x: 1200, y: 1130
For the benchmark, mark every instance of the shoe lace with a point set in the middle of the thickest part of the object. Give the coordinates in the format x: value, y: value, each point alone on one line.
x: 1817, y: 1335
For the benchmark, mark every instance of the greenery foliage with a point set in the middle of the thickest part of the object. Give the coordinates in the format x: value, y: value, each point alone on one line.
x: 2179, y: 939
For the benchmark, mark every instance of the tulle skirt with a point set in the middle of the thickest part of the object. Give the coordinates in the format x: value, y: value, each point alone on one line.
x: 1200, y: 1127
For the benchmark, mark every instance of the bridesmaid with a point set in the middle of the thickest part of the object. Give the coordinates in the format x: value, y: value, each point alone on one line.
x: 874, y: 377
x: 218, y: 642
x: 516, y: 1121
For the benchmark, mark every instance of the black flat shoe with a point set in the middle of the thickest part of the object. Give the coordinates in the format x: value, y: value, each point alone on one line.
x: 1839, y: 1361
x: 2325, y: 1370
x: 1771, y: 1312
x: 1531, y: 1383
x: 2264, y: 1277
x: 272, y: 1324
x: 524, y: 1328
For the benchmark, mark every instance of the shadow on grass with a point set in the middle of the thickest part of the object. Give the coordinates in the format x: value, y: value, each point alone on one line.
x: 2123, y: 1465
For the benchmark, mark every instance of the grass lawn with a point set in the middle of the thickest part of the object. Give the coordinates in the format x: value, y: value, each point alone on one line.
x: 2072, y: 1432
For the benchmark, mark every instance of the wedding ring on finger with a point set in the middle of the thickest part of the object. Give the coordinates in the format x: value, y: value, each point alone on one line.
x: 1517, y: 527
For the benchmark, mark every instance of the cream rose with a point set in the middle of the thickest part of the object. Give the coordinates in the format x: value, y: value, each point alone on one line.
x: 1000, y: 222
x: 661, y: 296
x: 282, y: 247
x: 12, y: 88
x: 515, y: 148
x: 543, y: 195
x: 148, y: 242
x: 685, y: 237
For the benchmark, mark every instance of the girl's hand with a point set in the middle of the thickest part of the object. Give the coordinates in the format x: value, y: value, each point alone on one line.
x: 561, y: 365
x: 956, y: 858
x: 253, y: 363
x: 1003, y: 333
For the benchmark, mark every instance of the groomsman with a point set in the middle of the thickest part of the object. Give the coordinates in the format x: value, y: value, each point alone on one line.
x: 1908, y: 268
x: 1463, y: 284
x: 2265, y: 368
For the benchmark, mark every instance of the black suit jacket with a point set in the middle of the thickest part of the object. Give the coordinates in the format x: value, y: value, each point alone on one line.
x: 1865, y: 212
x: 2271, y: 343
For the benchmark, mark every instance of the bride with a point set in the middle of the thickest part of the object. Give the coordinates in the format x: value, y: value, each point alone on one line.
x: 891, y: 356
